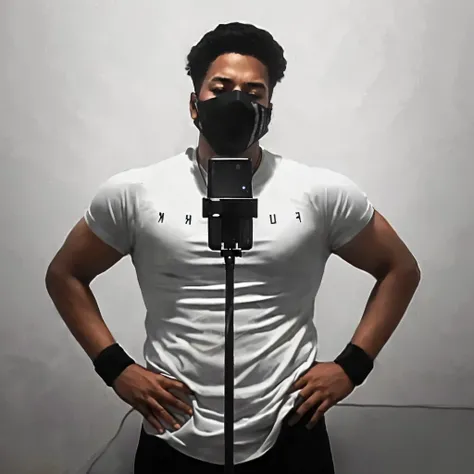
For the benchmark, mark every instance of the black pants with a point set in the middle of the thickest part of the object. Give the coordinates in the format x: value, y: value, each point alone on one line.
x: 296, y: 451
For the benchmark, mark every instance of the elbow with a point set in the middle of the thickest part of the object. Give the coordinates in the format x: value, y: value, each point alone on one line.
x: 417, y: 270
x: 55, y: 275
x: 405, y: 269
x: 413, y: 268
x: 58, y: 274
x: 410, y: 272
x: 52, y: 276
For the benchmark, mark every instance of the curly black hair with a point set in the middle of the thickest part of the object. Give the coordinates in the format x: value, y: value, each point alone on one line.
x: 238, y: 38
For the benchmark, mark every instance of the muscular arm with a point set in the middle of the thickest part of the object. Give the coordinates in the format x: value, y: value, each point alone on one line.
x: 82, y: 257
x: 379, y: 251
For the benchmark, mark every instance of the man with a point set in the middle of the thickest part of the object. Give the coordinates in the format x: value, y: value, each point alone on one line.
x: 154, y: 214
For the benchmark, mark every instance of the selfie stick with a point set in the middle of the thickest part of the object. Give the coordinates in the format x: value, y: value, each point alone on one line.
x: 229, y: 213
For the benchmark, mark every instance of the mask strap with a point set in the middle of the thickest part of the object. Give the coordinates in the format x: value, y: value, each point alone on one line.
x: 196, y: 100
x: 256, y: 123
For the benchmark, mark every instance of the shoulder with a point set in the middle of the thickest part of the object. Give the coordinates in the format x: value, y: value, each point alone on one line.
x: 316, y: 178
x: 138, y: 178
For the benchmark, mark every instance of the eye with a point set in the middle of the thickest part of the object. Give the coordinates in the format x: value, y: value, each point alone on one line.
x: 219, y: 90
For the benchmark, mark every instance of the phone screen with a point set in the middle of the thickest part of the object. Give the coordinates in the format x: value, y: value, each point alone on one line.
x: 229, y: 178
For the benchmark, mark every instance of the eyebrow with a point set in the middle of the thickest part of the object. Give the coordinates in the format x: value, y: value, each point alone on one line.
x: 255, y: 85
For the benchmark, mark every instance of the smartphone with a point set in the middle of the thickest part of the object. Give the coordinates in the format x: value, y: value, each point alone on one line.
x: 230, y: 178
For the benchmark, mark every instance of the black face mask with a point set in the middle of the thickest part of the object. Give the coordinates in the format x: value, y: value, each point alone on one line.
x: 232, y: 122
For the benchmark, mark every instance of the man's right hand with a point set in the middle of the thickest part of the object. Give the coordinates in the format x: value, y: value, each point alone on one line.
x: 148, y: 393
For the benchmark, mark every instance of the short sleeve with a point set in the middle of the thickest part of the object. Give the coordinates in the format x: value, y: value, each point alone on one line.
x: 110, y: 214
x: 348, y: 210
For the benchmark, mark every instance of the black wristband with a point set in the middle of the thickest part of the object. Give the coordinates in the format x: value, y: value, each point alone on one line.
x: 355, y: 363
x: 111, y: 362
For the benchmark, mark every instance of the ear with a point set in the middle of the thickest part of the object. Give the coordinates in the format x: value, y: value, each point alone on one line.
x: 270, y: 108
x: 192, y: 106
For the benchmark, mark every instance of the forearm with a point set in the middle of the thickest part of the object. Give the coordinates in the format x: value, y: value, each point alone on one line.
x: 385, y: 308
x: 78, y: 308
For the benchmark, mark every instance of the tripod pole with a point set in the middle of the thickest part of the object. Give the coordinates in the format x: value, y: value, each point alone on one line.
x: 230, y: 231
x: 229, y: 256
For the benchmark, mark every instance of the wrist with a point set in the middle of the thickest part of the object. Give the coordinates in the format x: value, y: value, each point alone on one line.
x: 111, y: 362
x: 356, y: 363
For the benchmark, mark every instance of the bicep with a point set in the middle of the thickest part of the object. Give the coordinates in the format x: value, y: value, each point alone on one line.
x: 84, y: 255
x: 377, y: 249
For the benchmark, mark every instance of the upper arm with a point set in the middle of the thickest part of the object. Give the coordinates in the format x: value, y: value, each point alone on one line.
x: 377, y: 248
x: 83, y: 255
x: 359, y: 234
x: 104, y: 235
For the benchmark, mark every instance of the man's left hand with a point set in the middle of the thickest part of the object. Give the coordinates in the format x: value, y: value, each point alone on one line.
x: 322, y: 386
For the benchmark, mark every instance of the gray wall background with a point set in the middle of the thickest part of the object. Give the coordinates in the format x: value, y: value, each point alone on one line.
x: 380, y: 90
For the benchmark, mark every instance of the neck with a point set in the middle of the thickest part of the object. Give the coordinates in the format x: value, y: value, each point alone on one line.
x: 205, y: 153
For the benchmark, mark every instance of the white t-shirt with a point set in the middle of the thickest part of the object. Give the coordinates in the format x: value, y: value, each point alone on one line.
x: 154, y: 214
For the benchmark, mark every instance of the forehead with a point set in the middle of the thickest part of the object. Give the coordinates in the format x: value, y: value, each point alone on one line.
x: 239, y: 68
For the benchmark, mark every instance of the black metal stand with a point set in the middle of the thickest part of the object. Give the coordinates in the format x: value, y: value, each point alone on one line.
x: 230, y: 212
x: 229, y: 256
